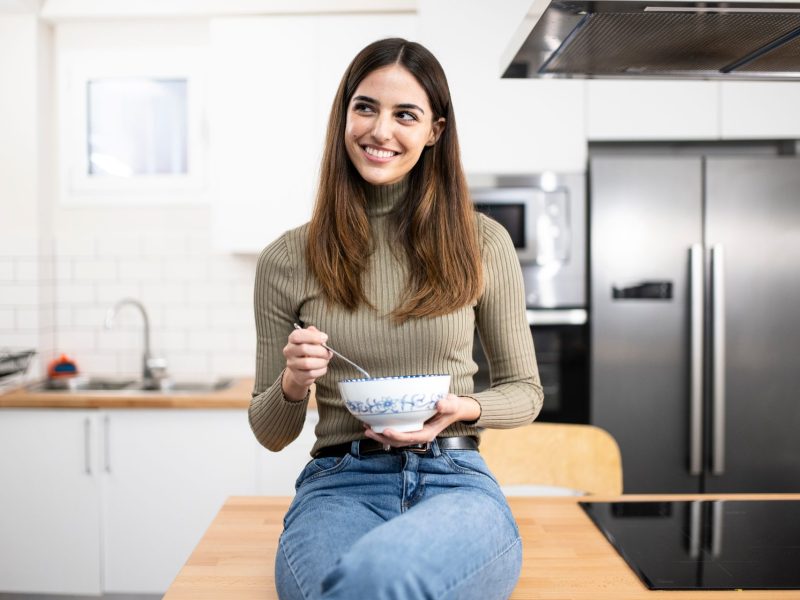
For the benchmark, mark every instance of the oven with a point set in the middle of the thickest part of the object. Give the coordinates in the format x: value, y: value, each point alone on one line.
x: 561, y: 340
x: 545, y: 216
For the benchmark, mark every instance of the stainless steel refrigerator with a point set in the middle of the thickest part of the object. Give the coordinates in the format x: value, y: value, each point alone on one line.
x: 695, y: 319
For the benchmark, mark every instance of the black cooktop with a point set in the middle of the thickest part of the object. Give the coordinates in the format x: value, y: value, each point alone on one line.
x: 705, y: 544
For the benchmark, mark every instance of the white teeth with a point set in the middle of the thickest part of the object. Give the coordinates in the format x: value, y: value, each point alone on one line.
x: 379, y: 153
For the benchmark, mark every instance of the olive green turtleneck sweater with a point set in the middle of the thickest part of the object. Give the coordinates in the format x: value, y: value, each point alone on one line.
x: 286, y: 292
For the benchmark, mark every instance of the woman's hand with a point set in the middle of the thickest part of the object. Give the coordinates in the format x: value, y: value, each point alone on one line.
x: 306, y: 360
x: 450, y: 409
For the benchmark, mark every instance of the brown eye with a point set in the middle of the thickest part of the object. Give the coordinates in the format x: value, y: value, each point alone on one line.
x: 361, y: 107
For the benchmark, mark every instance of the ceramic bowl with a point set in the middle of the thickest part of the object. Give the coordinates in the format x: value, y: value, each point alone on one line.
x: 402, y: 403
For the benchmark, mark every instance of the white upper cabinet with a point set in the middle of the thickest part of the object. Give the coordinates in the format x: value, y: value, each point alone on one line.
x: 637, y: 110
x: 505, y: 126
x: 273, y: 80
x: 760, y: 110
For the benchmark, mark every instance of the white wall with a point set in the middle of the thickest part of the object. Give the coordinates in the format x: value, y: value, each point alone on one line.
x: 26, y: 292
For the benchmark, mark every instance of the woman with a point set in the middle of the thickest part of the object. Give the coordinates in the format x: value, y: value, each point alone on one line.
x: 398, y: 269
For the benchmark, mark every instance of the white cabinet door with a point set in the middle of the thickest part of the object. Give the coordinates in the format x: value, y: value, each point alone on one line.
x: 760, y: 110
x: 166, y: 473
x: 651, y: 110
x: 49, y: 501
x: 264, y: 147
x: 277, y: 471
x: 272, y: 83
x: 505, y: 126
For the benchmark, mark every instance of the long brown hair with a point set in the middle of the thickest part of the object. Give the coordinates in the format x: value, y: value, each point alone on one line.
x: 435, y: 225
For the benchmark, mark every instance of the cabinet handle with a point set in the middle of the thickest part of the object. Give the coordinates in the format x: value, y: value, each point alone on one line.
x: 87, y: 445
x: 718, y: 356
x: 696, y: 362
x: 107, y: 443
x: 695, y: 529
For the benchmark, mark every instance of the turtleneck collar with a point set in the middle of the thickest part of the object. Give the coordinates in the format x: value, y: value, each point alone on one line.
x: 381, y: 199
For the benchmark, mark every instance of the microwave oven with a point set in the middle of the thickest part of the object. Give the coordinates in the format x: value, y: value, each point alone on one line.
x: 545, y: 215
x: 537, y: 221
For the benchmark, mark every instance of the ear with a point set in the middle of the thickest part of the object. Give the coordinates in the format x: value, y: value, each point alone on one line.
x: 437, y: 127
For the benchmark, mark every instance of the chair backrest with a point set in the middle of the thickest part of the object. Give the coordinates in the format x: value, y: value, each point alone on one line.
x: 584, y: 458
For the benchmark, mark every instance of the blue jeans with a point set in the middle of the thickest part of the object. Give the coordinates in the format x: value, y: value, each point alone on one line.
x: 398, y: 526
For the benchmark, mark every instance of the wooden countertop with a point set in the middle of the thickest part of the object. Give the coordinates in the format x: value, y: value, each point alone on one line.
x: 565, y: 557
x: 236, y: 396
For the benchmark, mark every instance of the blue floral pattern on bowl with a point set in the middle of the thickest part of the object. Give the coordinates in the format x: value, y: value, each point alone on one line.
x: 388, y: 405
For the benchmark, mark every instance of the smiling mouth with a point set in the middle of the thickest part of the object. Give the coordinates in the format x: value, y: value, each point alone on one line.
x: 377, y: 153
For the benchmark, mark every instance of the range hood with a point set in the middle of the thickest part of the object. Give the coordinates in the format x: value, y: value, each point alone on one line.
x: 658, y: 39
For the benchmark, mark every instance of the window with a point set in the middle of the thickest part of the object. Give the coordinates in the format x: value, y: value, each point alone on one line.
x: 131, y: 125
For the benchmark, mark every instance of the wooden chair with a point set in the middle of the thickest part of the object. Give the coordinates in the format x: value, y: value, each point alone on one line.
x: 583, y: 458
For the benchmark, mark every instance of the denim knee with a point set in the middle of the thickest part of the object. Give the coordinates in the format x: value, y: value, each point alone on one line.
x: 378, y: 576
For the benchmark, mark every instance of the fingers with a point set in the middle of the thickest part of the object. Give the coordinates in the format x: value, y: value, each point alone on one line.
x: 391, y: 437
x: 447, y: 411
x: 306, y: 358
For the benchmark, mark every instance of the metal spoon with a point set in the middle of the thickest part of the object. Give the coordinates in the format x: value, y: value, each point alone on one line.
x: 342, y: 356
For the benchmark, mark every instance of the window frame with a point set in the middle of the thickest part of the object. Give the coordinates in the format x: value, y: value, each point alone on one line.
x: 77, y: 68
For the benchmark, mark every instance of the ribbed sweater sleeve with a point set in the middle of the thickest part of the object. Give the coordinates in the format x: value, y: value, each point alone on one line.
x: 275, y: 421
x: 515, y: 396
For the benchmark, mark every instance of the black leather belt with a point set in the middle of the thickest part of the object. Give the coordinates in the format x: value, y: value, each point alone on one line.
x: 368, y: 446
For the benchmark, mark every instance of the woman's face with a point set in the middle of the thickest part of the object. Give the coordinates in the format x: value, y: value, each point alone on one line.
x: 389, y: 123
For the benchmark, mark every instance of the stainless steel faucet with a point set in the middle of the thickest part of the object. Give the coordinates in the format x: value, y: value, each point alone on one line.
x: 154, y: 370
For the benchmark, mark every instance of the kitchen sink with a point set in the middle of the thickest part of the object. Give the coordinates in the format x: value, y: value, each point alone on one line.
x: 128, y: 386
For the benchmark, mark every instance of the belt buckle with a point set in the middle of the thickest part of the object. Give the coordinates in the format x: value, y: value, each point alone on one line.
x: 418, y: 448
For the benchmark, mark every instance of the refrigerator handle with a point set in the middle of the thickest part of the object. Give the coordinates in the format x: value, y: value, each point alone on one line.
x: 718, y: 357
x: 696, y: 358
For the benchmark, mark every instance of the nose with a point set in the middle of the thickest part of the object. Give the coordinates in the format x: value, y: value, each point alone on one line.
x: 382, y: 127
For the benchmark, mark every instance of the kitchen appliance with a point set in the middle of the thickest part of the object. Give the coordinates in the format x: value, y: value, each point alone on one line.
x: 694, y: 300
x: 657, y: 38
x: 545, y: 216
x: 707, y: 544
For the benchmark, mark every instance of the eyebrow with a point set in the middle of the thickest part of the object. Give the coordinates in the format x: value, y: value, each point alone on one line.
x: 374, y: 101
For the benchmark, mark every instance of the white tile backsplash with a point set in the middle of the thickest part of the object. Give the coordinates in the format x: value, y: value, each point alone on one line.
x: 72, y: 341
x: 19, y: 294
x: 94, y: 363
x: 28, y: 319
x: 73, y: 294
x: 209, y: 292
x: 63, y: 270
x: 19, y: 339
x: 119, y: 245
x: 112, y: 340
x: 91, y: 317
x: 185, y: 269
x: 6, y: 270
x: 108, y: 294
x: 26, y: 270
x: 7, y: 320
x: 140, y: 269
x: 75, y: 246
x: 188, y: 317
x: 163, y: 292
x: 199, y: 302
x: 237, y: 315
x: 95, y: 270
x: 22, y: 246
x: 193, y: 364
x: 210, y: 340
x: 173, y: 245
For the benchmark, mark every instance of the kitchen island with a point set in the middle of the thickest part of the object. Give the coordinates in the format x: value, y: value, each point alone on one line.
x: 565, y: 557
